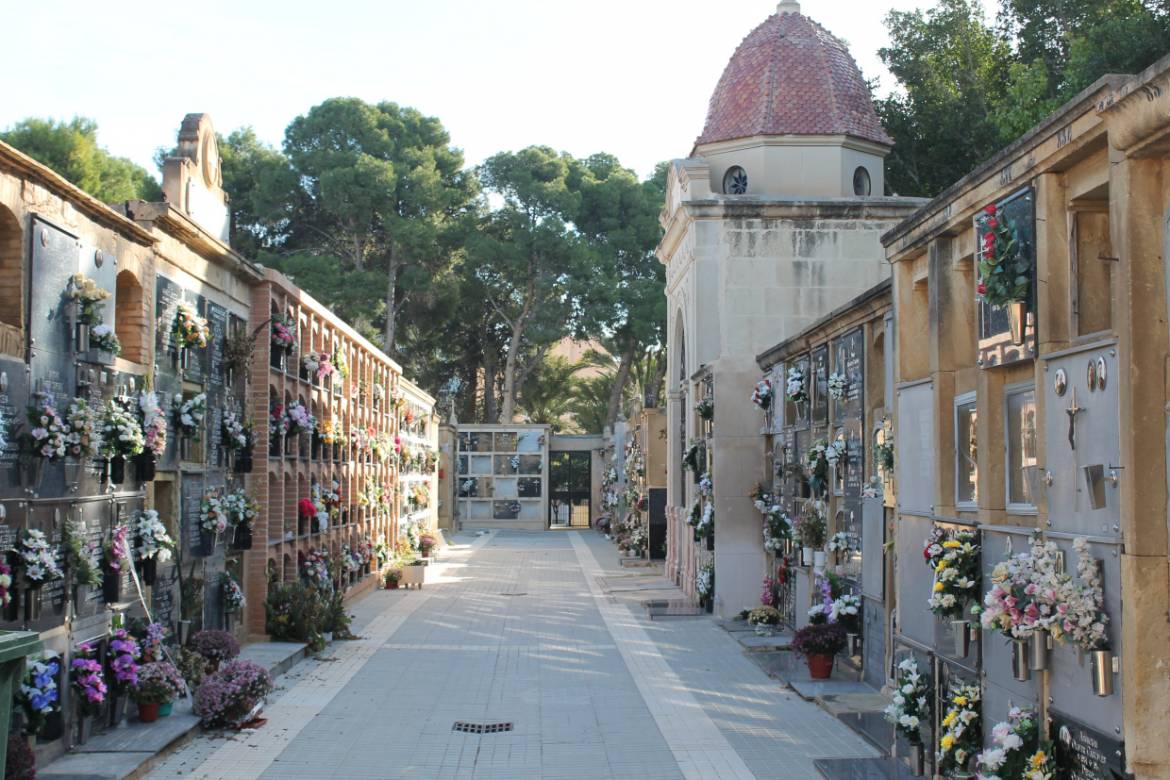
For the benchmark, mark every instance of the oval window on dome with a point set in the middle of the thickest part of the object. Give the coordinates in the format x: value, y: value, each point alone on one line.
x: 861, y: 182
x: 735, y: 181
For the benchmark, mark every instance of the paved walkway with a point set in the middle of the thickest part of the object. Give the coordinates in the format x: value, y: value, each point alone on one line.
x: 541, y: 631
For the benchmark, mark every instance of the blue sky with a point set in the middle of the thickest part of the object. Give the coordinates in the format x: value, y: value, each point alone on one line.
x: 631, y: 77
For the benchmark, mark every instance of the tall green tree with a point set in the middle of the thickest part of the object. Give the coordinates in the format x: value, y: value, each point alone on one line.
x: 380, y: 184
x: 527, y: 255
x: 548, y: 393
x: 71, y: 149
x: 623, y: 300
x: 952, y: 67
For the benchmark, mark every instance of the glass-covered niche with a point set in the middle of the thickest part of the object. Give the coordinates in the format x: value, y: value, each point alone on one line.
x: 796, y: 412
x: 849, y: 376
x: 1007, y: 332
x: 820, y: 386
x: 501, y: 474
x: 1020, y: 432
x: 966, y: 451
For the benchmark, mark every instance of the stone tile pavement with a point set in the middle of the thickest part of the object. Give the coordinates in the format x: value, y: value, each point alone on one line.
x: 518, y: 628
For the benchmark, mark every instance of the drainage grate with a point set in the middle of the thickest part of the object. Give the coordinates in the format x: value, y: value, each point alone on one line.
x: 481, y: 728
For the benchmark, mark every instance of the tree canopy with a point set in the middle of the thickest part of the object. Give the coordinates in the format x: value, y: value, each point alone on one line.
x: 969, y: 85
x: 71, y: 149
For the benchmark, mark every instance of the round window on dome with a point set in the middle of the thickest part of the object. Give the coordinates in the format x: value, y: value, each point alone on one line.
x: 861, y: 182
x: 735, y: 181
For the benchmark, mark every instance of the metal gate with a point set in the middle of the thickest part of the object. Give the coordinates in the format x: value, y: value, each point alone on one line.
x: 571, y: 482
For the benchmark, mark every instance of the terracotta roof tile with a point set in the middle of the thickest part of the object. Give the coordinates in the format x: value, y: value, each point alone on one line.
x: 790, y: 76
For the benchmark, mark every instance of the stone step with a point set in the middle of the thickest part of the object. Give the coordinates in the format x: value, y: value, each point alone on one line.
x: 132, y: 748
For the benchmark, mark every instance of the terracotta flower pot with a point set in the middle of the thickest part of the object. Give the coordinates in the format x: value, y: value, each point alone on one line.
x: 820, y: 666
x: 148, y: 711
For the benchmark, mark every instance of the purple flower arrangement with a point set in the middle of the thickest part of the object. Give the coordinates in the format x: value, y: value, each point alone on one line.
x: 232, y: 695
x: 119, y: 549
x: 215, y: 646
x: 88, y: 678
x: 124, y: 655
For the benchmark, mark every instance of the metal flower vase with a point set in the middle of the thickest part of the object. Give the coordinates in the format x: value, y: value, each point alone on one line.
x: 918, y: 760
x: 1017, y: 312
x: 962, y: 638
x: 1102, y: 665
x: 1020, y: 660
x: 117, y: 470
x: 1038, y: 651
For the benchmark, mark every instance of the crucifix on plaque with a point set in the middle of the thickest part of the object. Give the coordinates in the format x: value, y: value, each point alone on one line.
x: 1072, y: 411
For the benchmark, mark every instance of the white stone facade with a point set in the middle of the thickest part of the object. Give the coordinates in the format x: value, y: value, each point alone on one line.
x: 743, y: 273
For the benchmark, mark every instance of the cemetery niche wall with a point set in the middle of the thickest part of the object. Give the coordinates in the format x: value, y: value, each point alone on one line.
x: 1031, y: 473
x: 502, y: 476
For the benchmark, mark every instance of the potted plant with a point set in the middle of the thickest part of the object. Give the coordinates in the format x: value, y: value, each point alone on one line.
x: 819, y: 643
x: 116, y: 555
x: 121, y: 438
x: 213, y: 521
x: 953, y: 557
x: 909, y: 709
x: 426, y: 543
x: 812, y: 531
x: 414, y: 573
x: 40, y: 563
x: 152, y: 543
x: 89, y: 686
x: 189, y: 331
x: 215, y: 646
x: 154, y: 434
x: 122, y: 656
x: 232, y: 696
x: 390, y: 576
x: 39, y: 696
x: 233, y: 594
x: 764, y: 619
x: 153, y: 689
x: 762, y: 395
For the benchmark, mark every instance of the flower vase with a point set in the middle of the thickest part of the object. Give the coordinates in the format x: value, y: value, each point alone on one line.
x: 12, y: 608
x: 53, y: 729
x: 148, y: 711
x: 1038, y: 651
x: 820, y: 666
x: 117, y: 706
x: 1020, y: 660
x: 818, y: 559
x: 918, y: 760
x: 763, y: 629
x: 242, y: 537
x: 1102, y: 665
x: 72, y: 468
x: 962, y: 638
x: 853, y: 644
x: 84, y: 728
x: 184, y: 632
x: 32, y: 472
x: 148, y: 570
x: 243, y: 464
x: 206, y: 543
x: 184, y: 447
x: 1017, y: 312
x: 165, y: 709
x: 82, y: 337
x: 32, y: 604
x: 111, y: 586
x: 184, y: 358
x: 117, y: 470
x: 145, y: 465
x: 100, y: 356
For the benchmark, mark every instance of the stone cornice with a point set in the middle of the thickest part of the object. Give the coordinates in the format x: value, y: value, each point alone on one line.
x: 1073, y: 128
x: 19, y: 163
x: 755, y: 141
x: 178, y: 225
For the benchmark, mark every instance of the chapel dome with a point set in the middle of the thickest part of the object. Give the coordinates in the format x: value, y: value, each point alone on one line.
x: 790, y: 76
